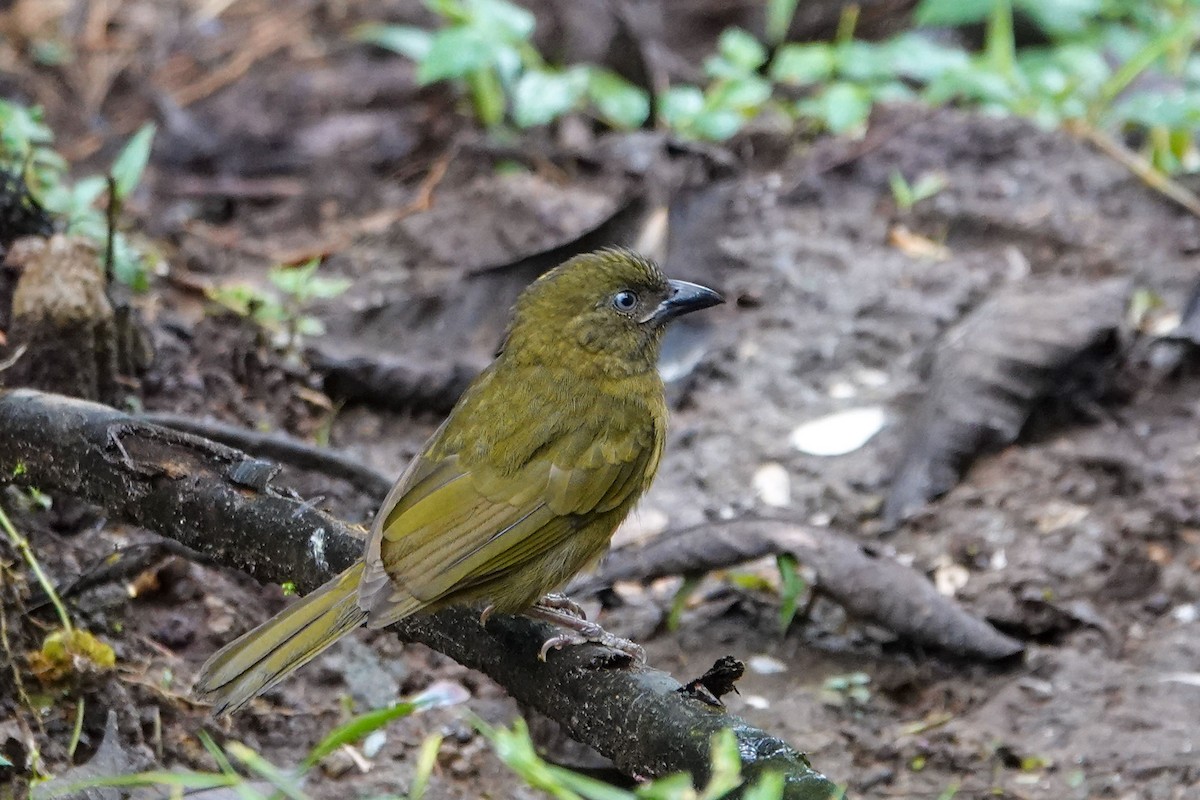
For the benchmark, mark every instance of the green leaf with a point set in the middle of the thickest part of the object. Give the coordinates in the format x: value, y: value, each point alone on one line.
x: 426, y: 761
x: 542, y: 96
x: 975, y: 84
x: 618, y: 102
x: 217, y: 754
x: 1176, y: 109
x: 86, y: 191
x: 487, y: 96
x: 20, y: 129
x: 508, y: 20
x: 307, y: 325
x: 680, y: 600
x: 415, y: 43
x: 717, y: 125
x: 438, y: 695
x: 515, y: 748
x: 455, y: 53
x: 739, y: 48
x: 130, y: 266
x: 1140, y: 61
x: 726, y: 766
x: 746, y: 95
x: 802, y: 64
x: 681, y: 104
x: 840, y: 107
x: 792, y: 585
x: 920, y: 58
x: 769, y: 786
x: 183, y: 779
x: 952, y: 12
x: 779, y: 19
x: 1061, y: 18
x: 999, y: 41
x: 131, y: 162
x: 864, y: 62
x: 357, y: 728
x: 294, y: 280
x: 453, y: 11
x: 325, y: 288
x: 284, y: 782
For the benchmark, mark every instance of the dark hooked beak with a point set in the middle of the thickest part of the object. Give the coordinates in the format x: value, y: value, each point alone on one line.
x: 684, y: 298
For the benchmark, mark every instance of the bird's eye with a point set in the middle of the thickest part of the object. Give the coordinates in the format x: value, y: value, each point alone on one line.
x: 625, y: 300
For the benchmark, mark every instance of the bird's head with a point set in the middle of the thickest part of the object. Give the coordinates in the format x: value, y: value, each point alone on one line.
x: 607, y: 309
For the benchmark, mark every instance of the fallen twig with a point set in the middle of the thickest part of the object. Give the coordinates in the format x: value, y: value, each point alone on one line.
x: 871, y: 587
x: 1139, y: 166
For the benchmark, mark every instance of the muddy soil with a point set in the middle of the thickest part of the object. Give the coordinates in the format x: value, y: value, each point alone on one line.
x: 1084, y: 542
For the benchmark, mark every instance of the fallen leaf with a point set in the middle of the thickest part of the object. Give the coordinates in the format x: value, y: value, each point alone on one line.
x: 914, y: 245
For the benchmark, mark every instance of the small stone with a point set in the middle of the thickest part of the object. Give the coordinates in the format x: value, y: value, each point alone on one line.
x: 840, y: 433
x: 1187, y: 613
x: 773, y: 485
x: 766, y: 665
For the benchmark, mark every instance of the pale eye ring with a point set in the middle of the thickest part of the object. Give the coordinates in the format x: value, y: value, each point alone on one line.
x: 625, y: 300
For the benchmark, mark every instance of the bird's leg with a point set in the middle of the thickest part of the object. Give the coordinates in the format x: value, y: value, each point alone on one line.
x: 580, y: 631
x: 560, y: 602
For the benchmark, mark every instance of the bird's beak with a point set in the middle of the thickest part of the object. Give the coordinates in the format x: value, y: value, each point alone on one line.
x: 684, y: 298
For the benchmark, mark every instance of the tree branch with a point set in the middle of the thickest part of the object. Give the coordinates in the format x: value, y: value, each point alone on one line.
x: 216, y: 500
x: 280, y: 447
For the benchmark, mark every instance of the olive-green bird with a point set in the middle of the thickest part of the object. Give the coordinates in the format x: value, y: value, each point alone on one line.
x: 520, y: 488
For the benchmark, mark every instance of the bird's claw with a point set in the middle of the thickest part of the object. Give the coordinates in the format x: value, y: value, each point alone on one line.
x: 560, y: 602
x: 581, y: 631
x: 624, y: 646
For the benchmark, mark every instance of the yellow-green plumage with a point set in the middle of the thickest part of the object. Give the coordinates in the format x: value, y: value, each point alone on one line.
x: 520, y: 488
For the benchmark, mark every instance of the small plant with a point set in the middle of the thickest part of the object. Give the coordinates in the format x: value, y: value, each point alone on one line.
x: 736, y: 94
x: 485, y: 46
x: 850, y: 689
x: 67, y: 651
x: 280, y: 310
x: 514, y: 747
x: 289, y: 782
x: 25, y: 149
x: 1095, y: 52
x: 906, y: 195
x: 791, y: 588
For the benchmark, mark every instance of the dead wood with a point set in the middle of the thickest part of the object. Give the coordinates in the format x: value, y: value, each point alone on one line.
x: 220, y: 502
x: 282, y: 448
x: 1036, y: 341
x: 871, y: 587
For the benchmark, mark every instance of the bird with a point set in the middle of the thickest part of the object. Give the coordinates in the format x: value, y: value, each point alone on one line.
x: 520, y: 488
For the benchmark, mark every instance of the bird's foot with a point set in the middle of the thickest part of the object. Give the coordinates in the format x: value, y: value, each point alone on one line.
x: 560, y: 602
x: 487, y: 612
x: 580, y: 631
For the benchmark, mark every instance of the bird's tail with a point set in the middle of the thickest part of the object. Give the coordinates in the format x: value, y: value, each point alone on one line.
x: 259, y: 659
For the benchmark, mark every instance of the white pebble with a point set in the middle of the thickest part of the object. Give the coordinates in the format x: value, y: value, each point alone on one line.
x: 773, y: 485
x: 840, y: 433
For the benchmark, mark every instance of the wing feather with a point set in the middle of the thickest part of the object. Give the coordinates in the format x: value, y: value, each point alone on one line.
x: 454, y: 528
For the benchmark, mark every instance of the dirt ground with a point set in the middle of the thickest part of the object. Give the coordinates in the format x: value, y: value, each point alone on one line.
x: 1083, y: 542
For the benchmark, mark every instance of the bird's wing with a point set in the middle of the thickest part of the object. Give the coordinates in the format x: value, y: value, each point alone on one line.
x: 454, y: 527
